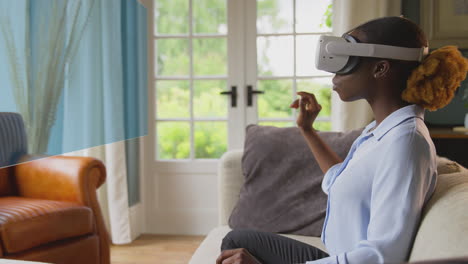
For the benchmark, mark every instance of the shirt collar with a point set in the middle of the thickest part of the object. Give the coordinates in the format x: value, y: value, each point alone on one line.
x: 394, y: 119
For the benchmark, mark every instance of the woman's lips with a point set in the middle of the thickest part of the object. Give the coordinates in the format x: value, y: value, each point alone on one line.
x: 335, y: 86
x: 334, y: 82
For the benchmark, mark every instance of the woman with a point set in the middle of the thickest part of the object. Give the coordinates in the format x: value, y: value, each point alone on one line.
x: 376, y: 195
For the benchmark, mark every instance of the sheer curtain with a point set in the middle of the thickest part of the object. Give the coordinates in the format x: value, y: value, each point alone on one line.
x: 346, y: 15
x: 40, y: 38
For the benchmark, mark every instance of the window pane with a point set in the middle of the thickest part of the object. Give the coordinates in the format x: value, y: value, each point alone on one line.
x: 312, y: 16
x: 207, y: 101
x: 172, y: 99
x: 275, y: 56
x: 173, y: 140
x: 209, y: 16
x: 274, y: 103
x: 322, y: 126
x: 322, y: 89
x: 210, y: 56
x: 172, y: 57
x: 305, y: 56
x: 210, y: 139
x: 274, y: 16
x: 171, y: 17
x: 277, y: 124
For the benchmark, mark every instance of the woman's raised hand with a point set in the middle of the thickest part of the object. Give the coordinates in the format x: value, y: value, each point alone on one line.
x: 309, y: 110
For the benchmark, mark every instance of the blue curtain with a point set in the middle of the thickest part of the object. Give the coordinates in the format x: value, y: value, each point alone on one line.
x: 134, y: 41
x: 106, y: 97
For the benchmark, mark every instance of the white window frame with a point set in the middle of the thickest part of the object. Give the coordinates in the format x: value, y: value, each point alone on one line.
x: 251, y: 69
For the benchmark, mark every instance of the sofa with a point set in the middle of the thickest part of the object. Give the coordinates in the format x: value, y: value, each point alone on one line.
x: 442, y: 234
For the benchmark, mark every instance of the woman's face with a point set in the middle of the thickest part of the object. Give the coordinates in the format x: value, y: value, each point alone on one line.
x: 357, y: 84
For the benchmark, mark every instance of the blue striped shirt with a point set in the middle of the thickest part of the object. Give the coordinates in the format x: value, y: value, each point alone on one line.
x: 376, y: 195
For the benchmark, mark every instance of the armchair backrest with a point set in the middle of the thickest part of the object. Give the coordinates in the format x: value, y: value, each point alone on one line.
x: 13, y: 144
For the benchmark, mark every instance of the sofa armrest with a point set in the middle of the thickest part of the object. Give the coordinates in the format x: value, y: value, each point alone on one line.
x: 230, y: 180
x: 71, y: 179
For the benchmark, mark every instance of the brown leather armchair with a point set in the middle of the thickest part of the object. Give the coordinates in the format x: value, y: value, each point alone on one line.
x: 49, y: 211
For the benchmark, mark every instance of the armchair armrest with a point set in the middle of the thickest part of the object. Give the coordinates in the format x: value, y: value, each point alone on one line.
x: 71, y: 179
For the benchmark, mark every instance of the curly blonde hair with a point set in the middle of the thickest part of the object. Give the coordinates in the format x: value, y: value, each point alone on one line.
x: 433, y: 83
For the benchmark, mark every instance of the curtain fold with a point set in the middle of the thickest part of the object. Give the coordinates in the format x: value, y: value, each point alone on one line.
x: 348, y: 14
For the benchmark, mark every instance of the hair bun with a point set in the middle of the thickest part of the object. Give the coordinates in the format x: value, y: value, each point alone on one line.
x: 433, y: 83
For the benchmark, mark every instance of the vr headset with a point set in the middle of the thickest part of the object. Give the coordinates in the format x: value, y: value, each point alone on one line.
x: 341, y: 54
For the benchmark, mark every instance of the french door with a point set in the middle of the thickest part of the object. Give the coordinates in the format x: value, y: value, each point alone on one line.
x: 223, y: 64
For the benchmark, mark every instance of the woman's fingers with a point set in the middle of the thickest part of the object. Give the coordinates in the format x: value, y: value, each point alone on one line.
x: 225, y: 254
x: 316, y: 104
x: 308, y: 97
x: 308, y: 102
x: 230, y: 260
x: 295, y: 104
x: 309, y: 109
x: 236, y: 256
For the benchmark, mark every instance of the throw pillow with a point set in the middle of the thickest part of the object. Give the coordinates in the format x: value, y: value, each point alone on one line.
x: 282, y: 189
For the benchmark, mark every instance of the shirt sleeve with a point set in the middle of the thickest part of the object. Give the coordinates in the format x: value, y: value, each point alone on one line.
x: 403, y: 182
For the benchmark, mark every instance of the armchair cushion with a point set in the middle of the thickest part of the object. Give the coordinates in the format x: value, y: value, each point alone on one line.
x: 278, y: 166
x: 23, y: 221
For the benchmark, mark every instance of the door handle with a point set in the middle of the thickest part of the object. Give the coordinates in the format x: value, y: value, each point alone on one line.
x: 250, y: 93
x: 233, y: 94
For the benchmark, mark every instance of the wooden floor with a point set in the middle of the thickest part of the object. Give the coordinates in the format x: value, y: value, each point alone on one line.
x: 156, y: 249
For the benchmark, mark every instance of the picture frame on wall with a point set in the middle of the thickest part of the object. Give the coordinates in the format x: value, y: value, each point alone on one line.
x: 445, y: 22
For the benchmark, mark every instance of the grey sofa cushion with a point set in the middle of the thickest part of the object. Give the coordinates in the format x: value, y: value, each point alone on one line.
x: 282, y: 189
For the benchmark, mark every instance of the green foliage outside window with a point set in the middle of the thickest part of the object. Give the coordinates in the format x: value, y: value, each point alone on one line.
x: 173, y: 140
x: 210, y: 139
x: 327, y: 17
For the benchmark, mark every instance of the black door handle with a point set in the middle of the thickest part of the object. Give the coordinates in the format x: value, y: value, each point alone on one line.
x: 233, y: 94
x: 250, y: 93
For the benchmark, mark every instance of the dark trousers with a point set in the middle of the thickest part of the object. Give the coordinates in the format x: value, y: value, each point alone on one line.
x: 271, y: 248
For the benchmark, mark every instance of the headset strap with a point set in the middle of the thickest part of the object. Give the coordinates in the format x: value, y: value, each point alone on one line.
x: 376, y: 50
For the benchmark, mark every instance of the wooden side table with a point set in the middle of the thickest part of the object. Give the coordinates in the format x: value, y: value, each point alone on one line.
x: 451, y: 144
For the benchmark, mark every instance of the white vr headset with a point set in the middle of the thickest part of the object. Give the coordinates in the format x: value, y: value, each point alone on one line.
x: 341, y: 54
